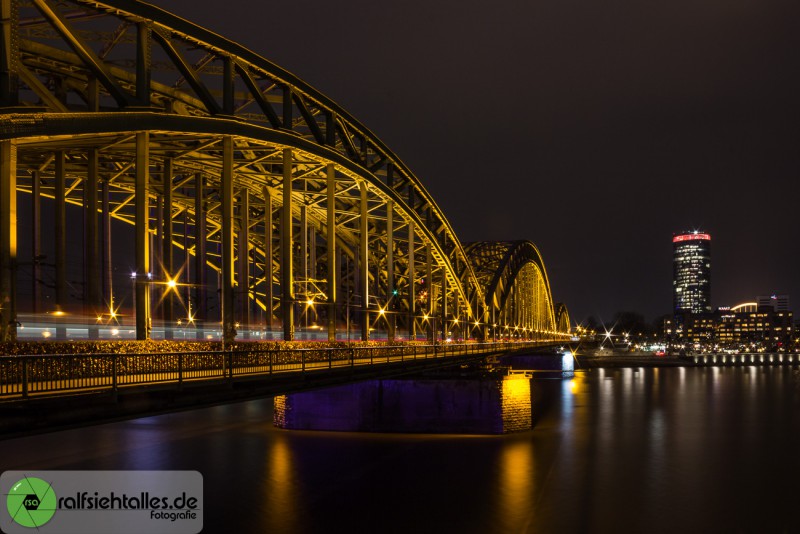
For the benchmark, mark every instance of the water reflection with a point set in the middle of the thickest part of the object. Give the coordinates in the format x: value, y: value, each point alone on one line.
x: 515, y: 484
x: 279, y: 494
x: 672, y: 450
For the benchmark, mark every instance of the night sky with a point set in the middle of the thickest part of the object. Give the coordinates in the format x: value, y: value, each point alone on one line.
x: 594, y: 129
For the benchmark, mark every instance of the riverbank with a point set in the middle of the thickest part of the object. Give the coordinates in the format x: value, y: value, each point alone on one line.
x: 630, y: 360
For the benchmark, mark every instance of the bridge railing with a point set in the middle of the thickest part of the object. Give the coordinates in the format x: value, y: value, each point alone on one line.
x: 24, y: 376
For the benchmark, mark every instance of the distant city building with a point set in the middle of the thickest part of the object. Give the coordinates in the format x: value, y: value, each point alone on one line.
x: 776, y: 302
x: 699, y: 328
x: 764, y: 324
x: 691, y: 273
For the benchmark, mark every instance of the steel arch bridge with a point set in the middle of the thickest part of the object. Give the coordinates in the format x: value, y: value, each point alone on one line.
x: 251, y: 198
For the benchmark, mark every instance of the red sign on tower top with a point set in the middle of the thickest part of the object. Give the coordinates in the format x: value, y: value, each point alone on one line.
x: 691, y: 237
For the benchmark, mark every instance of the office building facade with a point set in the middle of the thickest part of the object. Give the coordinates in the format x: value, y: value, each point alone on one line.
x: 691, y: 273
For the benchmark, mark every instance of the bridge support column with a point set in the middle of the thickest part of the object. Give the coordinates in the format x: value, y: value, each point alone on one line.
x: 331, y: 248
x: 142, y: 241
x: 8, y: 241
x: 429, y: 282
x: 244, y: 262
x: 60, y: 233
x: 108, y: 288
x: 444, y: 304
x: 363, y: 245
x: 412, y: 313
x: 36, y: 226
x: 391, y: 302
x: 91, y: 246
x: 268, y: 258
x: 167, y: 256
x: 228, y: 268
x: 304, y: 259
x: 200, y: 254
x: 287, y: 278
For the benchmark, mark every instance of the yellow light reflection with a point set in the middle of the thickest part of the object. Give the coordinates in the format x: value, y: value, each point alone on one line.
x: 281, y: 506
x: 516, y: 403
x: 516, y: 477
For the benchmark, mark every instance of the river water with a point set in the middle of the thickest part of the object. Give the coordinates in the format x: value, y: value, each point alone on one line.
x: 614, y: 450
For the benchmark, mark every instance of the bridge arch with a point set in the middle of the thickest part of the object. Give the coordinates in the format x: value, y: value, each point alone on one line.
x: 562, y: 318
x: 516, y: 289
x: 206, y: 148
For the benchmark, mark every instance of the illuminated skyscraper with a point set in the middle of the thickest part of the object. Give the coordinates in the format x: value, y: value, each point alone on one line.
x: 691, y: 273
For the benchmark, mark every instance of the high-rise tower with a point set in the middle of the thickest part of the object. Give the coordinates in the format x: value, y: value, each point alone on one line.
x: 691, y: 272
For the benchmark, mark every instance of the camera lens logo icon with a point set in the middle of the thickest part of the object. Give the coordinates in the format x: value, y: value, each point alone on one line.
x: 31, y: 502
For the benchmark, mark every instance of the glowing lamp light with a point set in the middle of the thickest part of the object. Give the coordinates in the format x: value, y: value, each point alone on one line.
x: 171, y: 283
x: 567, y: 362
x: 114, y: 332
x: 381, y: 311
x: 309, y: 302
x: 46, y: 334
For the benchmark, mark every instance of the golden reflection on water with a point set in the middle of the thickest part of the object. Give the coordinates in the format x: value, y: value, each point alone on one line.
x: 516, y: 477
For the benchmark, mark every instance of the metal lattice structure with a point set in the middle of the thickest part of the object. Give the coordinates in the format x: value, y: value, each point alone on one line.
x: 226, y: 166
x: 517, y: 290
